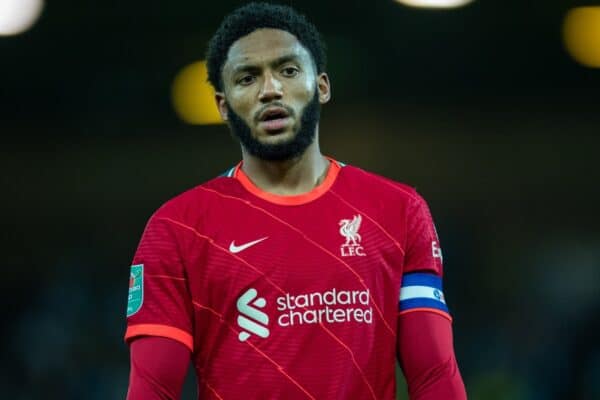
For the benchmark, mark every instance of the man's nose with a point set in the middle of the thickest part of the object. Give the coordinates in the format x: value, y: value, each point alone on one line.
x: 271, y: 89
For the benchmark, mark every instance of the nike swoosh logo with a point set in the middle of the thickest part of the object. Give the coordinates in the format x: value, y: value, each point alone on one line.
x: 236, y: 249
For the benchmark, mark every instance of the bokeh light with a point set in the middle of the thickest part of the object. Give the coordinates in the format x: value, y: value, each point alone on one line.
x: 17, y: 16
x: 581, y: 33
x: 435, y: 3
x: 193, y: 97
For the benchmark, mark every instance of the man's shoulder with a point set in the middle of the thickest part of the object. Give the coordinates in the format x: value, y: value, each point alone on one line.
x: 367, y: 183
x: 196, y: 198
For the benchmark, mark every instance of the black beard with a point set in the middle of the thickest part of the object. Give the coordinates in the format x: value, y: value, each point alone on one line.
x: 281, y: 151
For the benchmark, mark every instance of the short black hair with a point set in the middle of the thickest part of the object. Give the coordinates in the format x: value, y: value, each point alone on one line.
x: 253, y: 16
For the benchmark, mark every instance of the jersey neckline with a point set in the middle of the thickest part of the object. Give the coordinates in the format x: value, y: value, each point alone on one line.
x: 294, y: 200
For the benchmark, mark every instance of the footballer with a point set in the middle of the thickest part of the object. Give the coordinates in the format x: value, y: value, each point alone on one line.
x: 292, y: 275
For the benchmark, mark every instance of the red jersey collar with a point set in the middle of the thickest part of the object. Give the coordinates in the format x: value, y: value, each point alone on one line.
x: 322, y: 188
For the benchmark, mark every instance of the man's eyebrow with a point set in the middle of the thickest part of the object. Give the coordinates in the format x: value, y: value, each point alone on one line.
x: 245, y: 68
x: 275, y: 63
x: 284, y: 59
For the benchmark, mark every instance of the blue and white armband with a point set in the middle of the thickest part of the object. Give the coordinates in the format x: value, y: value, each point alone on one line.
x: 422, y: 292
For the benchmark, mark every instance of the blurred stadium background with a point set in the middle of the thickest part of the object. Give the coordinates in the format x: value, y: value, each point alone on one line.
x: 491, y: 110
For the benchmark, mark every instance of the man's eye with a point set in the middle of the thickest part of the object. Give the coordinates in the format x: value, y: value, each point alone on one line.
x: 290, y: 72
x: 246, y: 80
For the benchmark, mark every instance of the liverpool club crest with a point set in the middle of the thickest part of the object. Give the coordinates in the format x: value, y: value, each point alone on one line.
x: 349, y: 230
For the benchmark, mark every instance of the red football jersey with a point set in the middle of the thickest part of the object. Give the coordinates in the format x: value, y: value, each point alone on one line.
x: 288, y: 297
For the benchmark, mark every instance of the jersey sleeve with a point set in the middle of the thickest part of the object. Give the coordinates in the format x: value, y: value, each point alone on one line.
x: 426, y: 355
x: 421, y: 288
x: 158, y: 369
x: 159, y: 303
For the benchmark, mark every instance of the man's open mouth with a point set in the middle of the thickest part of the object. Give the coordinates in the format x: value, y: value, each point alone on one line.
x: 274, y: 119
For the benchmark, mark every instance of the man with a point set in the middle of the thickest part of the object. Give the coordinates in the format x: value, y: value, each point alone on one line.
x: 291, y: 276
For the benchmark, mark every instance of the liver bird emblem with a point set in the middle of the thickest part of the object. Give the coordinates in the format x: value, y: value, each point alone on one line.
x: 349, y: 229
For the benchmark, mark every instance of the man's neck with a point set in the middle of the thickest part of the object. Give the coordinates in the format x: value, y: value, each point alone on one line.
x: 290, y: 177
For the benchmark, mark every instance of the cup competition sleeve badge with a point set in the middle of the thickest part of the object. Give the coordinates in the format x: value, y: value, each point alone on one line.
x: 136, y: 289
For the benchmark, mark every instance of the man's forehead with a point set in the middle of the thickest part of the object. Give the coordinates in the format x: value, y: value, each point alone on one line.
x: 264, y: 45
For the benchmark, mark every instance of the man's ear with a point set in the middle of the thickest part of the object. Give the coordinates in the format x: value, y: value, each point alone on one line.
x: 324, y: 87
x: 222, y: 105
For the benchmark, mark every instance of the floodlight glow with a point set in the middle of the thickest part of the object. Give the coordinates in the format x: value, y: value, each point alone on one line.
x: 193, y: 97
x: 581, y: 33
x: 435, y: 3
x: 17, y: 16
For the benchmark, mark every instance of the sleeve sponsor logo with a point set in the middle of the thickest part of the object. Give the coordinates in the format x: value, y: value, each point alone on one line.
x: 436, y: 251
x: 136, y: 289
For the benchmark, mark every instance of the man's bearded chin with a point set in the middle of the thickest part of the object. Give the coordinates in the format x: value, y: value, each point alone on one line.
x: 280, y: 151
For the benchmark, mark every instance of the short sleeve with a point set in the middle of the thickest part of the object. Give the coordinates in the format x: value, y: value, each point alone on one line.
x: 421, y: 288
x: 423, y: 251
x: 159, y: 303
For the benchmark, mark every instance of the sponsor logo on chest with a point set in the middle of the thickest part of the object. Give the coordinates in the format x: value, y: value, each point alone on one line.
x: 333, y: 306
